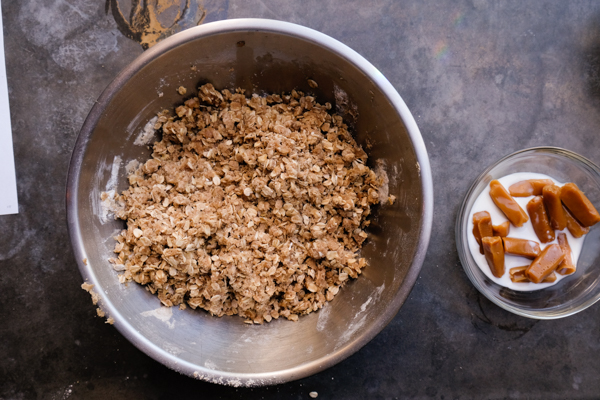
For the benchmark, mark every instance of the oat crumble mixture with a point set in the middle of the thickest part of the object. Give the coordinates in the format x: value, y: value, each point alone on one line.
x: 249, y: 205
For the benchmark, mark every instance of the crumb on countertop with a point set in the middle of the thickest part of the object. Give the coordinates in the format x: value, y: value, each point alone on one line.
x: 88, y: 288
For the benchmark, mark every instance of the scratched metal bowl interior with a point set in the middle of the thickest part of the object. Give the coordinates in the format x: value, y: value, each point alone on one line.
x: 573, y: 293
x: 260, y: 56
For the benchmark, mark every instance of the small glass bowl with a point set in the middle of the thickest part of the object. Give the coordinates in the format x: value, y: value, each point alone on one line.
x: 575, y: 292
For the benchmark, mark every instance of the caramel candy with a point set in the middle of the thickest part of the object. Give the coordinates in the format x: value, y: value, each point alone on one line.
x: 550, y: 278
x: 494, y: 254
x: 539, y: 220
x: 482, y: 227
x: 530, y: 187
x: 517, y: 274
x: 513, y: 211
x: 566, y: 267
x: 521, y: 247
x: 501, y: 230
x: 551, y: 194
x: 575, y: 227
x: 545, y: 264
x: 579, y: 205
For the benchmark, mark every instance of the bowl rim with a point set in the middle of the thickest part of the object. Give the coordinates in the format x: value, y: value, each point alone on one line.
x: 462, y: 246
x: 307, y: 34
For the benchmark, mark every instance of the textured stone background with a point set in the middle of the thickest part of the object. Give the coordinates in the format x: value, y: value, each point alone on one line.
x: 483, y: 79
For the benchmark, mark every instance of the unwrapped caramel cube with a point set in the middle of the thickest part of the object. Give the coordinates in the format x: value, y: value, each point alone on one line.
x: 545, y: 264
x: 517, y: 274
x: 513, y: 211
x: 482, y: 227
x: 576, y: 229
x: 529, y: 187
x: 502, y: 229
x: 554, y: 207
x: 521, y: 247
x: 579, y: 205
x: 539, y: 220
x: 494, y: 254
x: 566, y: 267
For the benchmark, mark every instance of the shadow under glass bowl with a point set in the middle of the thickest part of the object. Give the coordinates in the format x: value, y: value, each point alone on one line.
x: 573, y: 293
x: 259, y: 56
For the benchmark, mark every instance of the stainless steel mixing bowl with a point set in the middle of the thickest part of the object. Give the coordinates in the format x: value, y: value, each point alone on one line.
x: 261, y: 56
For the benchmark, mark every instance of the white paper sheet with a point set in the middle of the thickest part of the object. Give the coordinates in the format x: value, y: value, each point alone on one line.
x: 8, y: 181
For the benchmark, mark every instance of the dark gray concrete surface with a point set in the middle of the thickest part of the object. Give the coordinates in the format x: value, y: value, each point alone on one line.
x: 482, y: 78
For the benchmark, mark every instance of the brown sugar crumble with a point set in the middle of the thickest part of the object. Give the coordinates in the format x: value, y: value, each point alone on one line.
x: 88, y: 288
x: 249, y: 205
x: 95, y: 297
